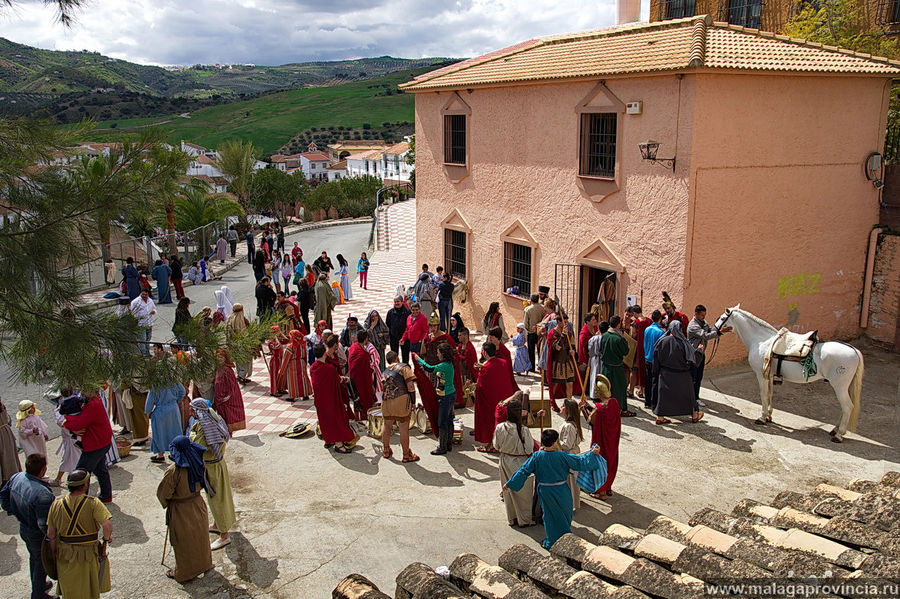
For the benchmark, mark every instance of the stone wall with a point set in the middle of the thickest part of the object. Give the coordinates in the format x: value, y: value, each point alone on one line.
x: 884, y: 309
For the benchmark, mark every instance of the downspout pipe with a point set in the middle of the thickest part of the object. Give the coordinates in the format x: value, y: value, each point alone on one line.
x: 870, y: 272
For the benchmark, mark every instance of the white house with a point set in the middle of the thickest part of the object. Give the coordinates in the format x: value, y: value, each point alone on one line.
x: 337, y: 171
x: 192, y: 149
x: 203, y: 165
x: 394, y: 168
x: 314, y: 165
x: 364, y: 163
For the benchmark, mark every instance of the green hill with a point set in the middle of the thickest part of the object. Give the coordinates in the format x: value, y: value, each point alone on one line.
x: 272, y: 120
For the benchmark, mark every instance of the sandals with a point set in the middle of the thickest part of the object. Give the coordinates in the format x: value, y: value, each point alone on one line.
x: 411, y: 457
x: 157, y: 459
x: 697, y: 417
x: 486, y: 449
x: 387, y: 452
x: 342, y: 449
x: 170, y: 573
x: 628, y: 414
x: 600, y: 495
x: 662, y: 421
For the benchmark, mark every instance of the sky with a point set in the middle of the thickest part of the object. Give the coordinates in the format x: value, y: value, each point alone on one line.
x: 272, y: 32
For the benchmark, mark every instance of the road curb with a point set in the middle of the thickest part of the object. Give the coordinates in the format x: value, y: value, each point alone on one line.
x: 108, y: 303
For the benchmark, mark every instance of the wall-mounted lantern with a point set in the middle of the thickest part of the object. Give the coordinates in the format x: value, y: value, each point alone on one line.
x: 649, y: 150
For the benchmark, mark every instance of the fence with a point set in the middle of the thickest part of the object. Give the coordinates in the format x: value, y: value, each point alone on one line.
x: 189, y: 245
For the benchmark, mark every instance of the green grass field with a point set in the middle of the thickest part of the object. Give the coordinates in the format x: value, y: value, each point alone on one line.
x: 269, y: 121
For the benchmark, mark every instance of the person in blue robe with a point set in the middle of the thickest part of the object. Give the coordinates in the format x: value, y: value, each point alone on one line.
x: 132, y: 278
x: 163, y: 405
x: 161, y: 273
x: 551, y: 467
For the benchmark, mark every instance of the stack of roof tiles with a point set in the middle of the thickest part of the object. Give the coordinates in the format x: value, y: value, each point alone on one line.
x: 831, y: 534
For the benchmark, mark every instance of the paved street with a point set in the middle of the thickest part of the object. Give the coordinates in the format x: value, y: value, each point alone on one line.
x: 307, y: 517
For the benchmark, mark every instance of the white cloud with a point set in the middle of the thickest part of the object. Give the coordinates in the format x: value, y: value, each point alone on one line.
x: 282, y: 31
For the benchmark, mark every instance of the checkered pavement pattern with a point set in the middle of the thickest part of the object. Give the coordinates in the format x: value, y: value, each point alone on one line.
x: 389, y: 268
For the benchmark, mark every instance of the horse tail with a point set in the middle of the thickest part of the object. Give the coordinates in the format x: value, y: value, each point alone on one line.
x: 855, y: 391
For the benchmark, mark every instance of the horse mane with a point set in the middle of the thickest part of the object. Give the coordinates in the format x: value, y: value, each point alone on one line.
x: 757, y: 320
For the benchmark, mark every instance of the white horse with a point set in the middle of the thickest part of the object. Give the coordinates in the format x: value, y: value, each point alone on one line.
x: 838, y: 363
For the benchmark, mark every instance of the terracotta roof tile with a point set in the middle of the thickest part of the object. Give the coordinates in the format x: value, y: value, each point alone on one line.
x: 398, y: 148
x: 316, y: 156
x: 680, y: 44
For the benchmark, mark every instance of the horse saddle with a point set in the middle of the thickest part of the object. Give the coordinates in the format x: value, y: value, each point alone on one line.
x: 792, y: 347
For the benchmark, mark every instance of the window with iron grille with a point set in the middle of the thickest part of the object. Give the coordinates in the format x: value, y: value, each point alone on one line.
x: 745, y: 13
x: 455, y: 139
x: 598, y: 144
x: 888, y: 13
x: 455, y: 253
x: 517, y: 267
x: 677, y: 9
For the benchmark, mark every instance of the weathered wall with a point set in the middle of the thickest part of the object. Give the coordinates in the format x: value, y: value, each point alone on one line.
x: 523, y: 165
x: 780, y: 207
x: 884, y: 308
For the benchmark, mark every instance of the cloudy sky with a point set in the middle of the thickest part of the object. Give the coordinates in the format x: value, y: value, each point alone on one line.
x: 282, y: 31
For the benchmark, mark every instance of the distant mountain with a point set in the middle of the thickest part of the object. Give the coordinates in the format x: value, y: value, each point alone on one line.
x: 71, y: 85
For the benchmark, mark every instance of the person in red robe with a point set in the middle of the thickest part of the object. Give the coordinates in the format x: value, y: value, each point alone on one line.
x: 468, y: 364
x: 638, y: 326
x: 430, y: 354
x: 492, y: 387
x: 607, y: 423
x: 294, y: 371
x: 360, y: 371
x: 495, y: 336
x: 587, y: 331
x: 560, y: 390
x: 328, y: 398
x: 229, y: 401
x: 276, y: 348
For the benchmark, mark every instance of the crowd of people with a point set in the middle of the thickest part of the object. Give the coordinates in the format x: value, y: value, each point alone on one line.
x: 419, y: 356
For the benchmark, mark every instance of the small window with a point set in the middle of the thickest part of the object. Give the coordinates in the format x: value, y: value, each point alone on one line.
x: 677, y: 9
x: 745, y: 13
x: 455, y: 139
x: 517, y: 268
x: 455, y: 253
x: 598, y: 144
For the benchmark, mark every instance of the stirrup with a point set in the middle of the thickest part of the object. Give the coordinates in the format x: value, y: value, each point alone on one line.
x: 777, y: 379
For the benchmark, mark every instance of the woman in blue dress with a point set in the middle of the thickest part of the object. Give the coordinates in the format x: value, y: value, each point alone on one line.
x: 161, y: 273
x: 521, y: 363
x: 551, y: 467
x: 344, y: 271
x: 132, y: 278
x: 163, y: 405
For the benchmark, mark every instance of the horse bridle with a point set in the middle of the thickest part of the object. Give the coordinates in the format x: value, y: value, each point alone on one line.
x: 718, y: 326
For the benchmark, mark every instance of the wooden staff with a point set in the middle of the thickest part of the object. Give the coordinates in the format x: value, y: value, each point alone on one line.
x: 165, y: 544
x: 542, y: 401
x: 561, y: 315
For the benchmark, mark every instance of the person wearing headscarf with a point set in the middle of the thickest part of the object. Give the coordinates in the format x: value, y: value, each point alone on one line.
x: 514, y: 442
x: 379, y: 334
x: 293, y: 369
x: 237, y: 324
x: 71, y: 453
x: 364, y: 373
x: 521, y: 363
x: 276, y: 345
x: 223, y: 305
x: 9, y: 457
x: 456, y: 323
x: 161, y: 273
x: 344, y: 271
x: 424, y: 290
x: 229, y: 401
x: 186, y: 515
x: 32, y: 431
x: 493, y: 318
x: 182, y: 319
x: 325, y: 300
x: 165, y: 417
x: 673, y: 358
x: 210, y: 431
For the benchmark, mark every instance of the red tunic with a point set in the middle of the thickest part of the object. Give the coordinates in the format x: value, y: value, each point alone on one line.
x: 428, y: 395
x: 503, y: 352
x: 469, y: 357
x: 583, y: 337
x: 328, y: 398
x: 276, y: 383
x: 606, y: 433
x: 232, y: 408
x: 293, y: 372
x: 640, y: 325
x: 557, y: 390
x: 492, y: 388
x: 360, y: 371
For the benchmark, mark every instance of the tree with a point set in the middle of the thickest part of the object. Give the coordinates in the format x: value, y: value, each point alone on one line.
x: 166, y: 190
x: 236, y: 160
x: 65, y: 8
x: 272, y: 189
x: 195, y: 207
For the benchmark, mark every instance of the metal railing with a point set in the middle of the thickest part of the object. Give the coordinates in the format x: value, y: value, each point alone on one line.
x: 189, y: 245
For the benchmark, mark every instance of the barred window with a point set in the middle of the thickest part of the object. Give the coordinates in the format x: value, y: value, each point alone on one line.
x: 598, y: 145
x: 455, y: 253
x: 455, y: 139
x: 677, y: 9
x: 517, y: 267
x: 745, y: 13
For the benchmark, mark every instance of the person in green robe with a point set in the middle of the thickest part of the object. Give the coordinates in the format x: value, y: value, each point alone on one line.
x: 210, y: 431
x: 613, y: 348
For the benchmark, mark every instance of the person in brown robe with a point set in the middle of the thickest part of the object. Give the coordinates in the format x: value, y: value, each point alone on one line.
x: 9, y: 457
x: 140, y: 422
x: 186, y: 514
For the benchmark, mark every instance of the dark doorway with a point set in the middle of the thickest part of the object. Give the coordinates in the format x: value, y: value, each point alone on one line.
x: 598, y: 286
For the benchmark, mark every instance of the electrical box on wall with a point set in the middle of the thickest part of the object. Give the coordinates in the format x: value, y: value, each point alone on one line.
x: 631, y: 300
x: 635, y: 107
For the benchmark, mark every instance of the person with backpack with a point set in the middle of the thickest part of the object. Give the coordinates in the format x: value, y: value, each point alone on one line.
x: 399, y: 396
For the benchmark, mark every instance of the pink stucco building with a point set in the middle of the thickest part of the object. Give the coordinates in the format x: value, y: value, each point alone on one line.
x: 529, y: 172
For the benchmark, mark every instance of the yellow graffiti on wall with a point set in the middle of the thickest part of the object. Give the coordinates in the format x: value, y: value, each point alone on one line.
x: 802, y: 284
